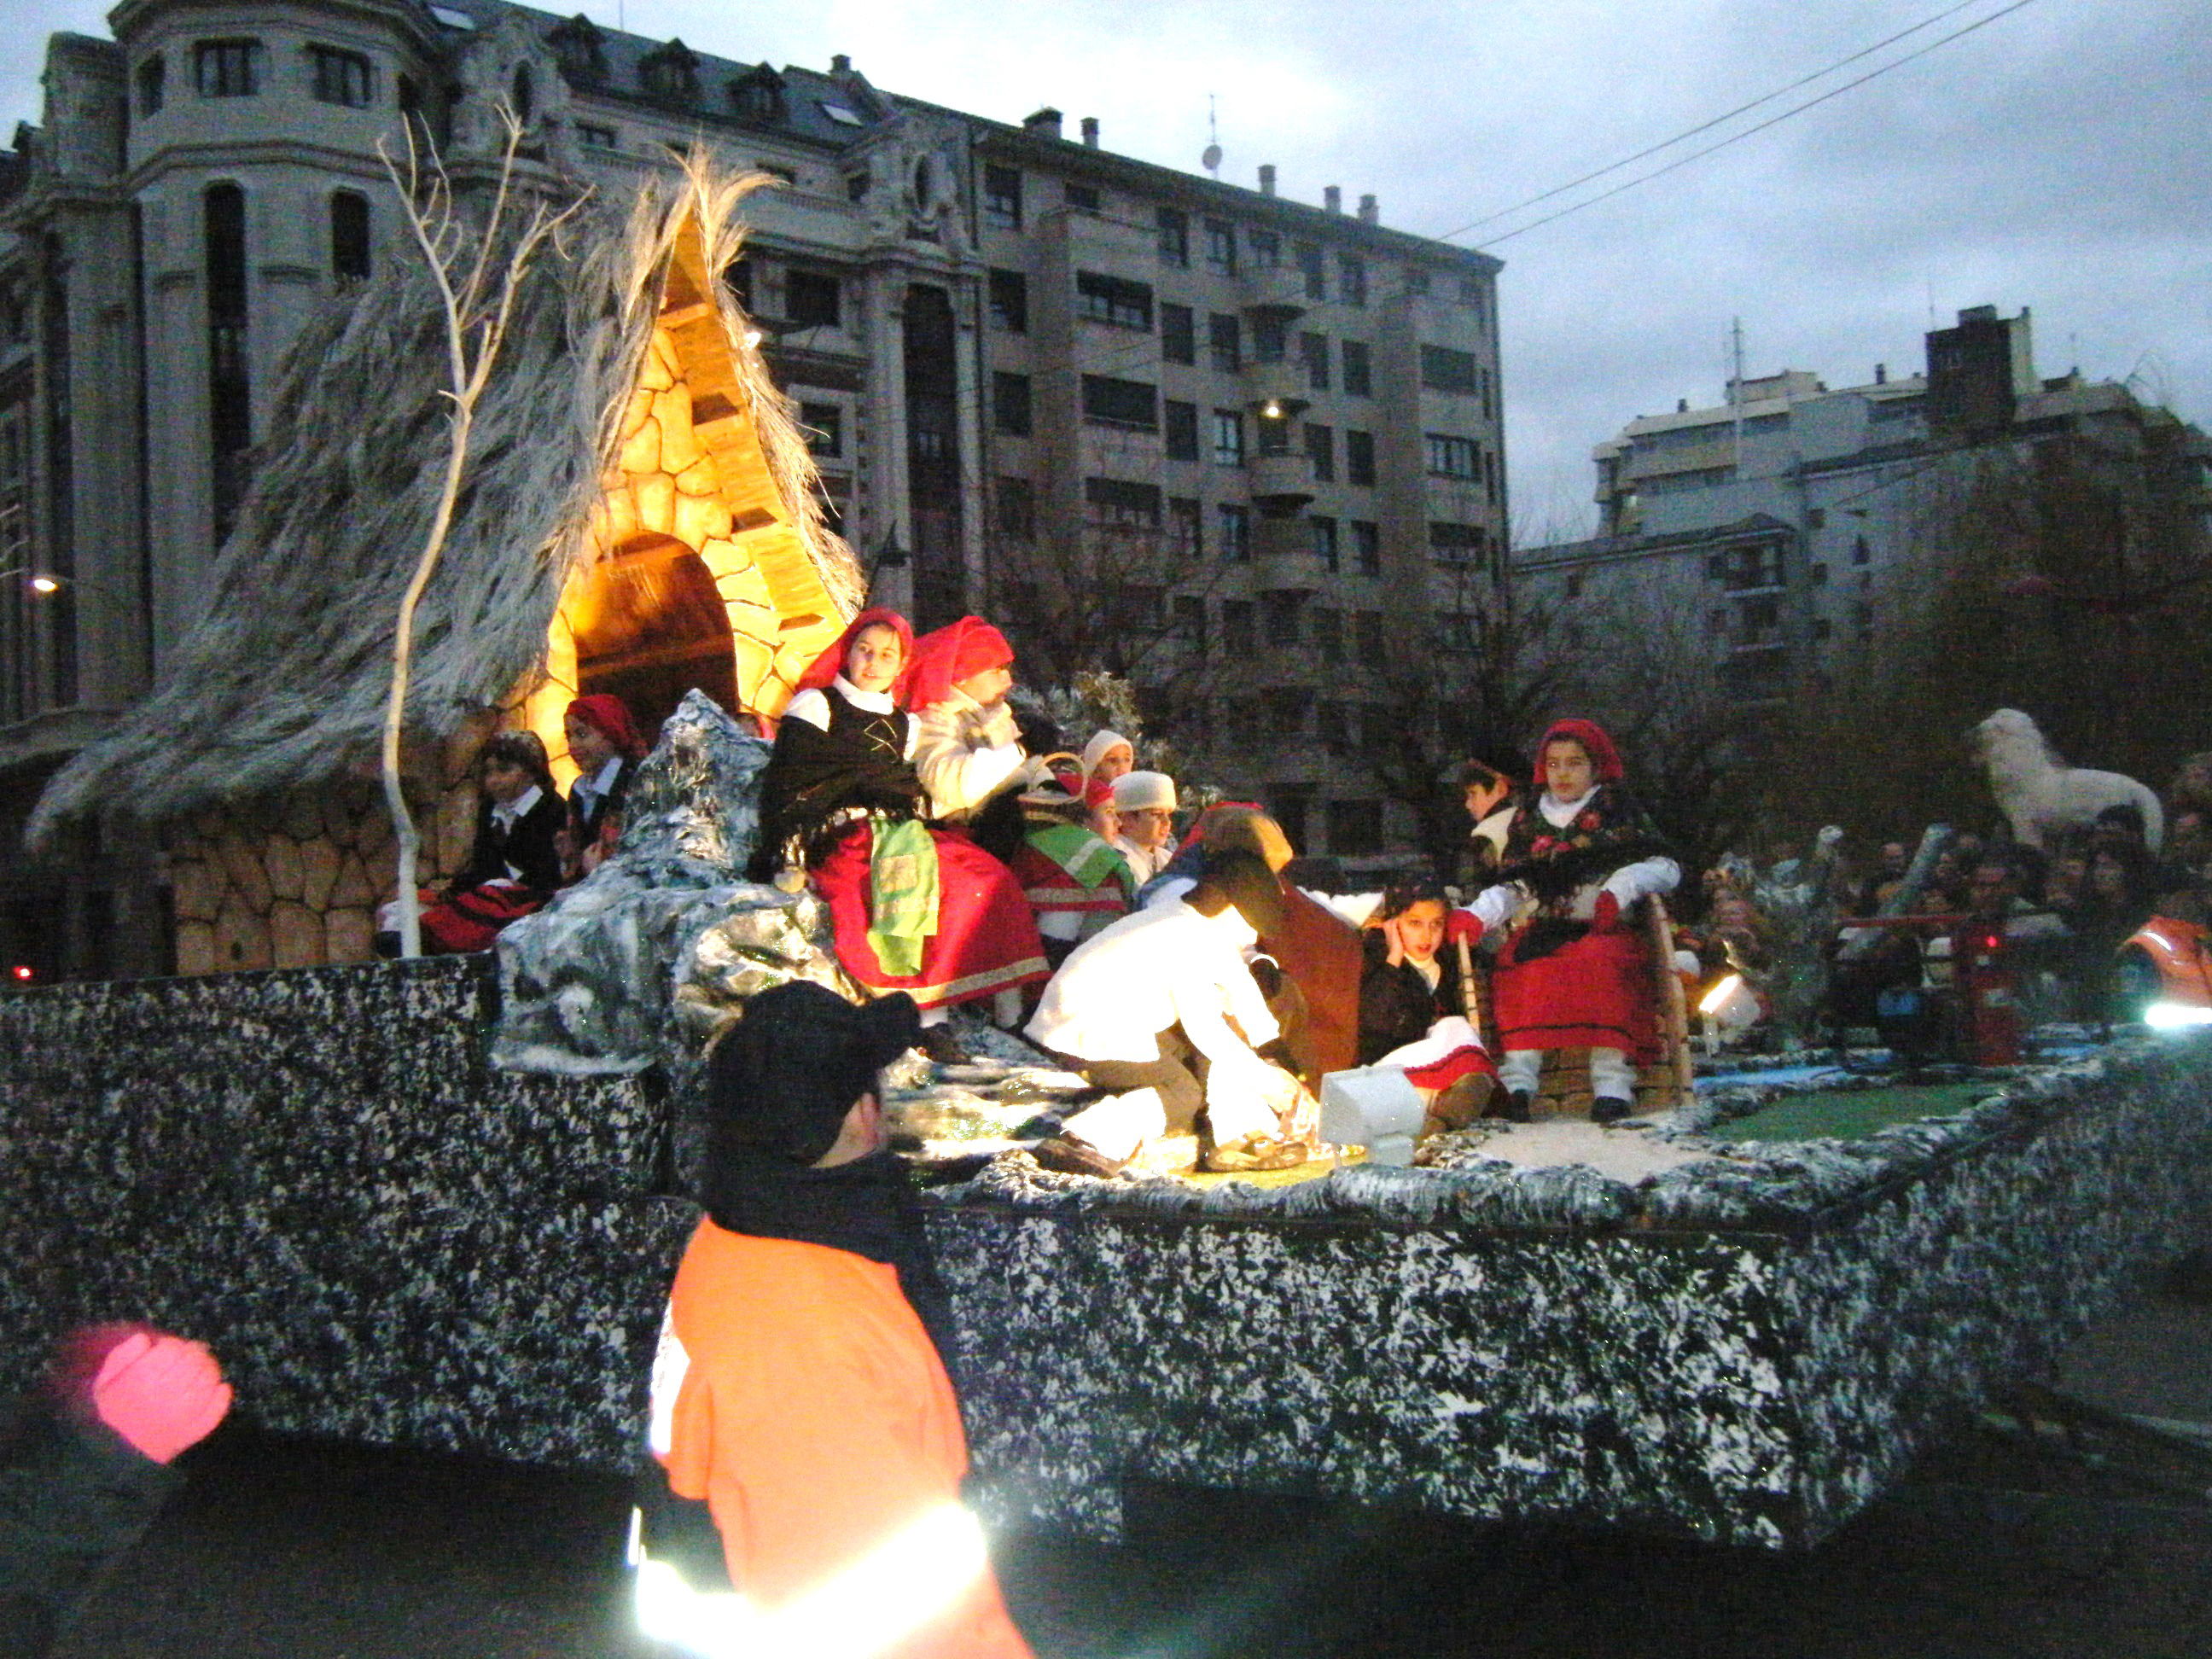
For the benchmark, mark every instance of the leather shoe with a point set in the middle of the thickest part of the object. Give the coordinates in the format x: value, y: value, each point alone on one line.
x: 1514, y: 1106
x: 1066, y: 1155
x: 1606, y: 1109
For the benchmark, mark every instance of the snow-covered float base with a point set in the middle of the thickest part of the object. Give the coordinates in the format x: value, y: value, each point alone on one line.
x: 1742, y: 1349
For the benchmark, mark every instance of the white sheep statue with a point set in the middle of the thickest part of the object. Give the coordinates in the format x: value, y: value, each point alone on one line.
x: 2041, y: 796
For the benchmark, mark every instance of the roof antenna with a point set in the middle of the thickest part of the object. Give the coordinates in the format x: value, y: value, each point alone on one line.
x: 1212, y: 160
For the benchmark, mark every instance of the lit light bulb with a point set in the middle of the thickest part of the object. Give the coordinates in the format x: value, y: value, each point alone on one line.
x: 45, y: 585
x: 1274, y: 411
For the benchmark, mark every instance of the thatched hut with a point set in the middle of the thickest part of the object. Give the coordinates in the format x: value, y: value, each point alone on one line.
x: 639, y: 515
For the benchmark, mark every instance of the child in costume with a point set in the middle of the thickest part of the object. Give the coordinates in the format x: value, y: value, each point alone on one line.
x: 1570, y: 973
x: 514, y: 864
x: 603, y: 742
x: 913, y: 909
x: 968, y: 747
x: 1412, y: 1013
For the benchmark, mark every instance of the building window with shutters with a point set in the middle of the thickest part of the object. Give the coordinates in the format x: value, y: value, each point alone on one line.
x: 1002, y: 196
x: 342, y: 77
x: 1234, y: 523
x: 1228, y: 437
x: 1359, y: 378
x: 1174, y: 237
x: 1010, y: 302
x: 1178, y: 334
x: 227, y: 69
x: 1359, y: 458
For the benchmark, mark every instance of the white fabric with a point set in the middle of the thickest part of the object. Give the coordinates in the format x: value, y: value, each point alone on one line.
x: 966, y: 753
x: 1240, y: 1101
x: 1446, y: 1037
x: 1358, y: 909
x: 1612, y: 1078
x: 590, y: 789
x: 506, y: 813
x: 1493, y: 828
x: 1631, y: 882
x: 1144, y: 863
x: 1152, y: 969
x: 813, y: 707
x: 1119, y: 1124
x: 1103, y: 743
x: 1139, y: 792
x: 1178, y: 888
x: 1431, y: 971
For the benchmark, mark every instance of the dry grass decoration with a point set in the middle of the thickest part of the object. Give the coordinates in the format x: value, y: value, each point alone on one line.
x: 287, y: 681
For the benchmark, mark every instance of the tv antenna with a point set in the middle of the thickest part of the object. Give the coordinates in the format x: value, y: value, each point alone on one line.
x: 1212, y: 160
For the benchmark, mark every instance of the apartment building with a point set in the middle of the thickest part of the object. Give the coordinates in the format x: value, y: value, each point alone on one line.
x: 1793, y: 523
x: 1248, y: 435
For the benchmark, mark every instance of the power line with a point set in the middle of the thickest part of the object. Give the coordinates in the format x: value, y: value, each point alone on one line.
x: 1773, y: 120
x: 1820, y: 74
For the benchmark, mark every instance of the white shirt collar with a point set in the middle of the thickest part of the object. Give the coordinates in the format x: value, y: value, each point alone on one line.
x: 876, y: 702
x: 508, y: 813
x: 1557, y: 812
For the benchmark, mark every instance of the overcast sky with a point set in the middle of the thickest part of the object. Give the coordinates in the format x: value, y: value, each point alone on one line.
x: 2058, y: 158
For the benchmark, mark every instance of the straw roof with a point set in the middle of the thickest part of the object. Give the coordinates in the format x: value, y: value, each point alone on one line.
x: 282, y: 684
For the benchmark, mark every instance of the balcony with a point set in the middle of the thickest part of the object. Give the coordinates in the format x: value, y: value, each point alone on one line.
x: 1280, y: 485
x: 1279, y: 291
x: 1276, y: 390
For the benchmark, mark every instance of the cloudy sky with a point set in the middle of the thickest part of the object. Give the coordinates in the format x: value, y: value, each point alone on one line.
x: 2059, y: 158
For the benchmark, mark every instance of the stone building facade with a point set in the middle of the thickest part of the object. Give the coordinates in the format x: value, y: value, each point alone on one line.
x: 207, y: 179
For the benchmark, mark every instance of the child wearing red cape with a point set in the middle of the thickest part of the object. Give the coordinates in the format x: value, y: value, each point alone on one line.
x: 1570, y: 974
x: 913, y: 909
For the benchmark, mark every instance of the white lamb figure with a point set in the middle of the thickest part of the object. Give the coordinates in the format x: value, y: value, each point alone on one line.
x: 2040, y: 795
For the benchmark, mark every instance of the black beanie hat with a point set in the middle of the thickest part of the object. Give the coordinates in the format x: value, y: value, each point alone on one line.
x: 780, y: 1083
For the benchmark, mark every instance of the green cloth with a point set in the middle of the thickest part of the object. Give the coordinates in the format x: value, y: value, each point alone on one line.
x: 1848, y: 1114
x: 901, y: 894
x: 1090, y: 861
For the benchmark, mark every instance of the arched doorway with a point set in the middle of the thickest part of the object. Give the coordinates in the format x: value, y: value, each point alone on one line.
x: 650, y: 626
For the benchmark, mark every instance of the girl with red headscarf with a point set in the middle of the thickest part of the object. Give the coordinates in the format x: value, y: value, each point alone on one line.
x: 603, y: 743
x: 1570, y: 975
x: 968, y: 748
x: 913, y: 909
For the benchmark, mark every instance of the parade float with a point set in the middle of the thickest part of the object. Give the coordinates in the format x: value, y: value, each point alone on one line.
x: 438, y: 1202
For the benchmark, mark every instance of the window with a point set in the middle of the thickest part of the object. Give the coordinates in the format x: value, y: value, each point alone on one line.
x: 1366, y: 548
x: 811, y: 300
x: 1112, y: 504
x: 1266, y: 250
x: 1233, y: 526
x: 1818, y: 574
x: 1351, y: 280
x: 1221, y: 247
x: 1274, y: 432
x: 1225, y: 336
x: 1010, y: 302
x: 1285, y: 709
x: 1189, y: 626
x: 1417, y: 280
x: 579, y: 47
x: 349, y: 254
x: 758, y: 97
x: 1010, y: 404
x: 1359, y: 458
x: 1175, y: 237
x: 1132, y: 607
x: 592, y: 137
x: 671, y: 73
x: 1357, y: 378
x: 227, y: 69
x: 1321, y: 450
x: 1367, y: 636
x: 1228, y: 437
x: 1280, y: 611
x: 1742, y: 569
x: 1323, y: 532
x: 1179, y: 427
x: 341, y: 77
x: 1237, y: 637
x: 1355, y: 829
x: 1859, y: 553
x: 152, y: 75
x: 1315, y: 273
x: 1451, y: 457
x: 738, y: 277
x: 856, y: 186
x: 1457, y: 543
x: 1445, y: 370
x: 1178, y: 334
x: 1313, y: 351
x: 1327, y: 628
x: 1083, y: 199
x: 1332, y: 727
x: 1114, y: 301
x: 824, y: 426
x: 1185, y: 536
x: 1270, y: 339
x: 1122, y: 403
x: 1014, y: 509
x: 1002, y: 196
x: 838, y: 113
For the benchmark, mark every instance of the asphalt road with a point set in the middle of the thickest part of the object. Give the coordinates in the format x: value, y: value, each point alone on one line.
x: 2004, y: 1542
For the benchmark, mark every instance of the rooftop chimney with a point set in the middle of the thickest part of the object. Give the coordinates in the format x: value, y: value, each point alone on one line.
x: 1091, y: 131
x: 1881, y: 374
x: 1369, y: 214
x: 841, y: 64
x: 1267, y: 178
x: 1045, y: 124
x: 1331, y: 197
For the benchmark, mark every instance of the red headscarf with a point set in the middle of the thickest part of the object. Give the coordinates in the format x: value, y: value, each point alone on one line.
x: 951, y: 654
x: 608, y: 715
x: 1605, y: 759
x: 831, y: 663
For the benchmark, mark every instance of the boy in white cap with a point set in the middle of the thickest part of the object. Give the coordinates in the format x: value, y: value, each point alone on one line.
x: 1145, y: 802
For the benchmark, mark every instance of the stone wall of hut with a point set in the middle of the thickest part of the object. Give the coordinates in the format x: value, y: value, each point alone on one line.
x: 294, y: 881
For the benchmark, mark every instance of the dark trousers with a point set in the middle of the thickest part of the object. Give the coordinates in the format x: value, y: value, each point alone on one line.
x: 1179, y: 1075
